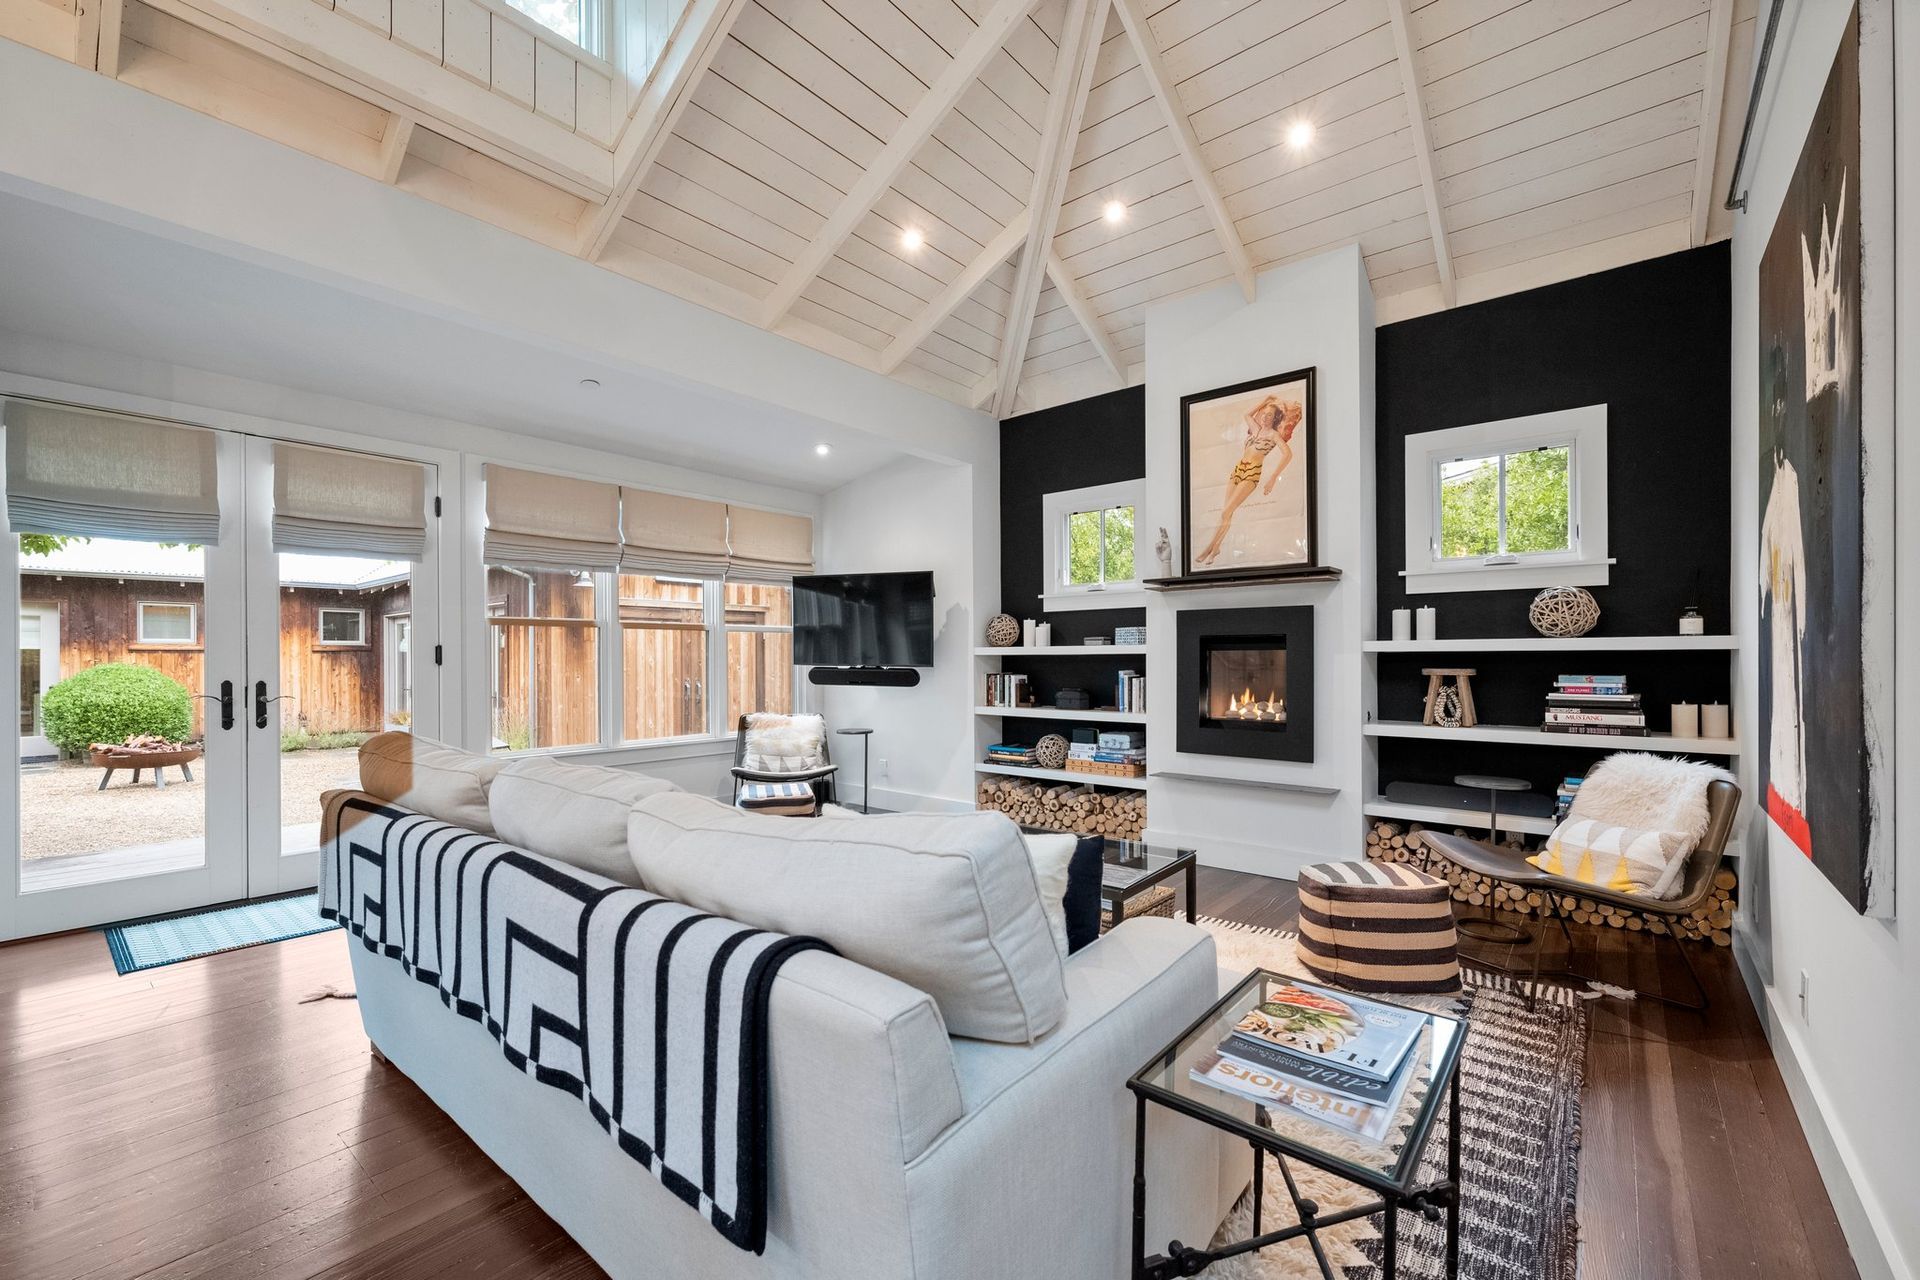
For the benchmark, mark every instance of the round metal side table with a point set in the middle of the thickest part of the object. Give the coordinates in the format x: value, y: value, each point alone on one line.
x: 1490, y: 929
x: 866, y: 749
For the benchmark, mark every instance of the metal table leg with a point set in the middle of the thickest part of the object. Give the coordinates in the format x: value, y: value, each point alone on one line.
x: 1453, y: 1176
x: 1390, y: 1260
x: 1190, y: 894
x: 1139, y: 1186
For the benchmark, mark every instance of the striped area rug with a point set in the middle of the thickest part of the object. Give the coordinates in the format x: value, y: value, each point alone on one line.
x: 1519, y: 1144
x: 152, y: 943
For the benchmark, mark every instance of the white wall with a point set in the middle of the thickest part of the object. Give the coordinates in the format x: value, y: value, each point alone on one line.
x: 918, y: 515
x: 1848, y: 1057
x: 1315, y: 313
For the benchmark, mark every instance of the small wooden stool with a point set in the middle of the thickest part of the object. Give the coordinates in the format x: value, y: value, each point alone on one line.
x: 1437, y: 678
x: 1378, y: 926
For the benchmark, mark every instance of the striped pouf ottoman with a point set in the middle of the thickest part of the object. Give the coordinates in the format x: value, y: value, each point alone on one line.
x: 1378, y: 926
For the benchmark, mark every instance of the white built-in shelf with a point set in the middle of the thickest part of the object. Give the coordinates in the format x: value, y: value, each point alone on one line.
x: 1064, y: 775
x: 1529, y: 735
x: 1057, y: 713
x: 1441, y: 816
x: 1547, y: 644
x: 1062, y: 651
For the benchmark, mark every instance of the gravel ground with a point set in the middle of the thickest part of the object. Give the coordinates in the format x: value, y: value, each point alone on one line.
x: 62, y: 812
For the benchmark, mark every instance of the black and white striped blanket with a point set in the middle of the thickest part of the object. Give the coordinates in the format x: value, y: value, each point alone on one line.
x: 652, y: 1013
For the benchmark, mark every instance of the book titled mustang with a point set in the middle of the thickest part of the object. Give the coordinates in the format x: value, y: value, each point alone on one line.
x: 1340, y: 1029
x: 1281, y: 1092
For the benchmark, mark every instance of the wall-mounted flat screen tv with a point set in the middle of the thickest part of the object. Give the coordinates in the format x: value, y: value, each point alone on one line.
x: 863, y: 620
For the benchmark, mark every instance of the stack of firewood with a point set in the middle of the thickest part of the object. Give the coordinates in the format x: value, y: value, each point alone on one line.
x: 1064, y: 807
x: 1711, y: 921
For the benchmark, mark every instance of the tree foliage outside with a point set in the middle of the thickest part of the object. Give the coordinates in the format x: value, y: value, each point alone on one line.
x: 113, y: 702
x: 1537, y: 511
x: 43, y: 544
x: 1086, y: 530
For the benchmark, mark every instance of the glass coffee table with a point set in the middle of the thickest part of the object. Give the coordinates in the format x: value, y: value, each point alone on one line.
x: 1388, y: 1167
x: 1131, y: 867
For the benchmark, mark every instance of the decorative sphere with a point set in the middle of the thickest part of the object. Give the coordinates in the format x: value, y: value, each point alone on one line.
x: 1003, y: 630
x: 1050, y: 752
x: 1564, y: 612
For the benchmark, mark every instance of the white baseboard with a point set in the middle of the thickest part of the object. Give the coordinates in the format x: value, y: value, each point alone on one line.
x: 1863, y: 1219
x: 905, y: 801
x: 1254, y: 859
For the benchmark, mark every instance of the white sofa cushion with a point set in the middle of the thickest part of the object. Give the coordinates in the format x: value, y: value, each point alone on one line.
x: 1052, y: 854
x: 947, y: 903
x: 429, y: 777
x: 572, y: 813
x: 779, y: 743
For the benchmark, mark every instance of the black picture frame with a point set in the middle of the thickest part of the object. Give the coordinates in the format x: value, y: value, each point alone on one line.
x: 1309, y: 459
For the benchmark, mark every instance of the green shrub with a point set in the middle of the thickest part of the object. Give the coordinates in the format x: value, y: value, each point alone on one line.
x: 332, y: 740
x: 113, y: 702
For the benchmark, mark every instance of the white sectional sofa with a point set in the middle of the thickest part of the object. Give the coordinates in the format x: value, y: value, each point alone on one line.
x: 897, y: 1150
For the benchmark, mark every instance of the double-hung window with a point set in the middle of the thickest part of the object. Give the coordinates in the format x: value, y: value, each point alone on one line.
x: 1089, y: 539
x: 759, y: 631
x: 1519, y: 503
x: 663, y: 656
x: 545, y: 646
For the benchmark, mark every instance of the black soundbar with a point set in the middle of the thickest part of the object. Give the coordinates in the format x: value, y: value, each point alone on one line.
x: 881, y: 677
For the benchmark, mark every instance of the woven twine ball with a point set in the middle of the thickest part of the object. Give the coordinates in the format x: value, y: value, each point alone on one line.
x: 1564, y: 612
x: 1050, y: 752
x: 1003, y: 630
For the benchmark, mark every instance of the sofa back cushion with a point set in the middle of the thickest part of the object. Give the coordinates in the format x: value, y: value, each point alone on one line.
x: 430, y: 777
x: 946, y: 903
x: 572, y: 813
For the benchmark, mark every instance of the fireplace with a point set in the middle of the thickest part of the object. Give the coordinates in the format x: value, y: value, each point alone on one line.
x: 1245, y: 682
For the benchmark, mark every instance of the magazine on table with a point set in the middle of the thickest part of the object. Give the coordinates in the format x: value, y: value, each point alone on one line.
x: 1338, y: 1028
x: 1306, y: 1069
x: 1277, y: 1091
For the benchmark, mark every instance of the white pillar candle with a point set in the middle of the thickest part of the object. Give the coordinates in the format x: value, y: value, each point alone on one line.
x: 1403, y: 624
x: 1714, y: 722
x: 1043, y: 634
x: 1028, y: 629
x: 1686, y: 720
x: 1429, y: 622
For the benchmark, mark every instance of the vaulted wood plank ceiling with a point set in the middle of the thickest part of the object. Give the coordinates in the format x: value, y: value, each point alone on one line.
x: 983, y: 196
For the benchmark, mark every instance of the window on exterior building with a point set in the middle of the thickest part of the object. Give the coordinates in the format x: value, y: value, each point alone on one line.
x: 759, y: 627
x: 165, y: 622
x: 546, y: 678
x: 1089, y: 539
x: 1508, y: 504
x: 343, y: 626
x: 663, y: 657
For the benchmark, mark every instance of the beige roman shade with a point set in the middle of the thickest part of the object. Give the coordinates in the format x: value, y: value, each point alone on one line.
x: 766, y: 545
x: 102, y: 475
x: 541, y: 521
x: 331, y: 503
x: 672, y: 535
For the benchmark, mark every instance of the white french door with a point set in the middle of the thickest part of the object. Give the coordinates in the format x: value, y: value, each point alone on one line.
x: 285, y: 663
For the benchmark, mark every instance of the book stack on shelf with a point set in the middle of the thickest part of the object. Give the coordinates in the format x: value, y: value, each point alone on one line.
x: 1599, y: 705
x: 1563, y: 798
x: 1012, y: 753
x: 1129, y: 691
x: 1116, y: 753
x: 1008, y: 689
x: 1328, y: 1056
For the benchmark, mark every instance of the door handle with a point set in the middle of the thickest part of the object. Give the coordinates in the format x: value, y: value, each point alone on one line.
x: 260, y: 701
x: 225, y: 699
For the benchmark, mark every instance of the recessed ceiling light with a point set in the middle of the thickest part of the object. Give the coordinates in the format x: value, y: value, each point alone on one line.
x: 1115, y: 211
x: 911, y: 240
x: 1300, y: 134
x: 589, y: 383
x: 822, y: 450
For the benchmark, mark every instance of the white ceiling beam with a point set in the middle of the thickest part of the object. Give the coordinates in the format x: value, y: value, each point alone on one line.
x: 103, y: 51
x: 1066, y: 104
x: 669, y: 86
x: 1069, y: 290
x: 1133, y: 16
x: 985, y: 390
x: 1712, y: 98
x: 393, y: 146
x: 1422, y: 145
x: 935, y: 314
x: 959, y: 76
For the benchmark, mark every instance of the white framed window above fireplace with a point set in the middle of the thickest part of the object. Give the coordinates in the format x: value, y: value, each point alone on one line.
x: 1089, y: 539
x: 1515, y: 504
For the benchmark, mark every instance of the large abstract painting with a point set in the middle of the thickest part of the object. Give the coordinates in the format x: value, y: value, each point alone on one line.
x: 1816, y: 758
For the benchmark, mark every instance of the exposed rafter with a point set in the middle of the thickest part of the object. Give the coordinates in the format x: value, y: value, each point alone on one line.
x: 393, y: 146
x: 1422, y: 145
x: 1714, y: 92
x: 106, y: 39
x: 984, y: 390
x: 1066, y: 104
x: 669, y: 87
x: 972, y: 59
x: 997, y: 251
x: 1134, y: 17
x: 1069, y: 290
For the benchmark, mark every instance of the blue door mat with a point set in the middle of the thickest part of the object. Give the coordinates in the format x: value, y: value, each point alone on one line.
x: 152, y: 943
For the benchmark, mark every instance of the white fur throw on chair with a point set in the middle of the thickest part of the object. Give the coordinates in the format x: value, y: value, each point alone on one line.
x: 1650, y: 793
x: 784, y: 744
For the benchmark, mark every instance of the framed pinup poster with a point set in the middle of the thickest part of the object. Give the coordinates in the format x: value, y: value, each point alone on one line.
x: 1247, y: 477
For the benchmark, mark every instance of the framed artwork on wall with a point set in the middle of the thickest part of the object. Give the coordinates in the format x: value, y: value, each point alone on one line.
x: 1247, y: 477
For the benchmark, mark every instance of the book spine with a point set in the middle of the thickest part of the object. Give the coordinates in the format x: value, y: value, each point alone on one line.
x: 1593, y: 690
x: 1578, y: 679
x: 1596, y: 730
x: 1627, y: 718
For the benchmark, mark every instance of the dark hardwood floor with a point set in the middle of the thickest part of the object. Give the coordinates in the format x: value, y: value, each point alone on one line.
x: 197, y: 1120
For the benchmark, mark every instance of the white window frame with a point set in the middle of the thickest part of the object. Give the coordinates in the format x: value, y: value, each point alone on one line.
x: 596, y: 25
x: 193, y: 622
x: 1058, y: 594
x: 320, y: 627
x: 1585, y: 563
x: 719, y: 652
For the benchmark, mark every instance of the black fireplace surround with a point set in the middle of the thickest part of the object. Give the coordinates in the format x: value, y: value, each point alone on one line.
x: 1245, y: 680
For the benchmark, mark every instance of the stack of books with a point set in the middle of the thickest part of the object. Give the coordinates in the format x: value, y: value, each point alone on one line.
x: 1117, y: 753
x: 1129, y: 691
x: 1331, y: 1057
x: 1012, y: 753
x: 1563, y: 798
x: 1594, y: 705
x: 1008, y: 689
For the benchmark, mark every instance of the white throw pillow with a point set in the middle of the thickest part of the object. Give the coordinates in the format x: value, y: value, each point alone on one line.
x: 572, y: 813
x: 784, y: 744
x: 430, y: 777
x: 1052, y: 854
x: 1623, y: 859
x: 947, y: 903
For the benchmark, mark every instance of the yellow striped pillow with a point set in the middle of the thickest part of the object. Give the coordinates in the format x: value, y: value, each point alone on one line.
x: 1622, y: 859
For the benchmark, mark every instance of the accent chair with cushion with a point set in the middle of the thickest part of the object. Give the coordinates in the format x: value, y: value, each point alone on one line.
x: 771, y: 747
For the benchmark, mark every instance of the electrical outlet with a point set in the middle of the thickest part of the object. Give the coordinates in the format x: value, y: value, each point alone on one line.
x: 880, y: 769
x: 1806, y: 998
